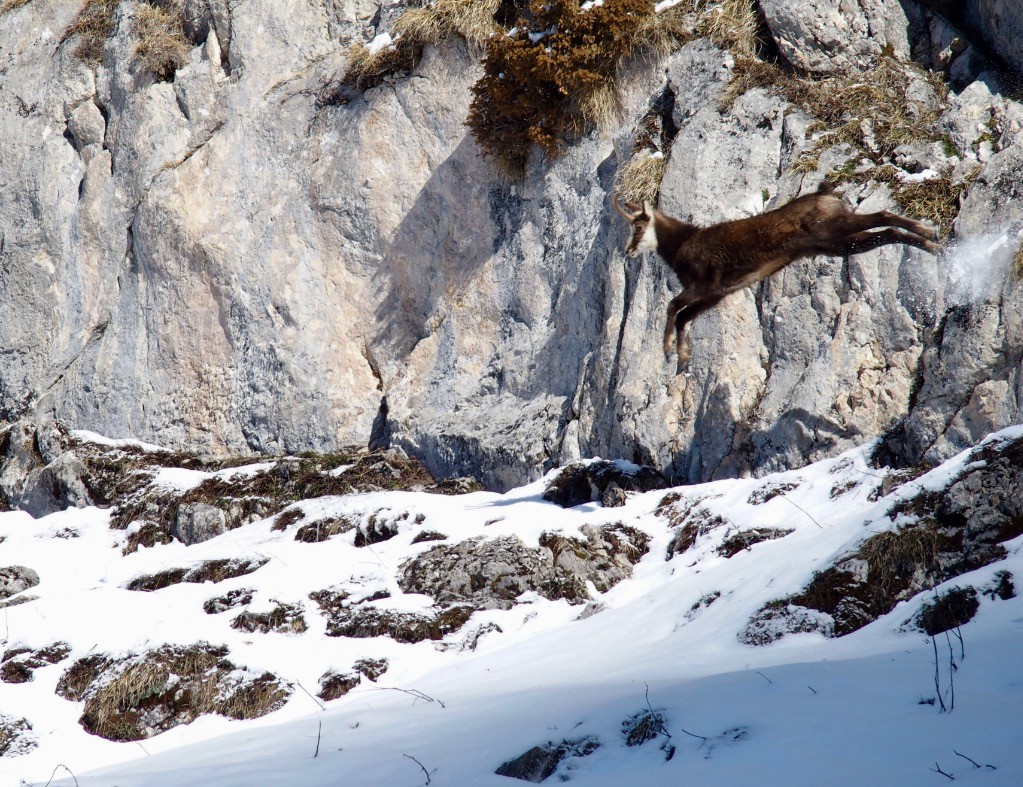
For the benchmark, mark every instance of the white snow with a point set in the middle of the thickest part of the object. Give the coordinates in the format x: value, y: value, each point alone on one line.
x: 977, y: 267
x: 805, y: 710
x: 382, y: 41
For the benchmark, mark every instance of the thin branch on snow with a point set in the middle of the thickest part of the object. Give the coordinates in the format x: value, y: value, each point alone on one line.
x: 937, y: 769
x: 322, y: 706
x: 417, y: 762
x: 319, y: 733
x: 55, y: 773
x: 412, y: 692
x: 975, y: 763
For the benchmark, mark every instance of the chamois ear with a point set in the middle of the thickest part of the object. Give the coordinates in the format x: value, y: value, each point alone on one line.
x: 648, y: 208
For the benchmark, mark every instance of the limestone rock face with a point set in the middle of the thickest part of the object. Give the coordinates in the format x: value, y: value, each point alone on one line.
x: 832, y: 35
x: 224, y: 264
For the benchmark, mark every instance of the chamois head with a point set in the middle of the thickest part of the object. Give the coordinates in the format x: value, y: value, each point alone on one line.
x: 644, y: 238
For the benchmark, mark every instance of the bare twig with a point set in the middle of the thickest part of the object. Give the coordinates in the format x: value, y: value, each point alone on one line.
x: 668, y: 747
x: 417, y: 762
x: 975, y: 763
x: 322, y: 706
x: 319, y: 732
x: 952, y: 667
x: 412, y: 692
x: 811, y: 688
x: 55, y: 773
x: 803, y: 510
x: 937, y: 681
x: 937, y: 769
x: 958, y: 632
x: 762, y: 675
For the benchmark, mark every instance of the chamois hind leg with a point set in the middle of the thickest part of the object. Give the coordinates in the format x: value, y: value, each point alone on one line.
x: 687, y: 315
x: 885, y: 218
x: 867, y: 241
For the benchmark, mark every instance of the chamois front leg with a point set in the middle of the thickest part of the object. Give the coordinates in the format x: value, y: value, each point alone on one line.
x: 697, y: 305
x: 672, y: 335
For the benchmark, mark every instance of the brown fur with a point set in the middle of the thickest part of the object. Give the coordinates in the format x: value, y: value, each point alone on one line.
x: 712, y: 262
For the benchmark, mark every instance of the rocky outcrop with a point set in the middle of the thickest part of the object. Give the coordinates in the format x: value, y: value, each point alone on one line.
x: 938, y: 534
x: 14, y: 579
x: 492, y: 573
x: 224, y: 262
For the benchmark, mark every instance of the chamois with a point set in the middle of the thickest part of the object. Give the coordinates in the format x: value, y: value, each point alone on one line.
x: 712, y: 262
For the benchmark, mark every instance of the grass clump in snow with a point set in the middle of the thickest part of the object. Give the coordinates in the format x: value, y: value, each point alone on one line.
x: 283, y: 619
x: 334, y: 685
x: 19, y: 664
x: 140, y: 695
x: 745, y: 539
x: 208, y: 571
x: 948, y: 610
x: 16, y: 736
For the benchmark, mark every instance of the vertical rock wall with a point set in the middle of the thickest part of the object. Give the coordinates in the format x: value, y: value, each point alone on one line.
x: 223, y: 263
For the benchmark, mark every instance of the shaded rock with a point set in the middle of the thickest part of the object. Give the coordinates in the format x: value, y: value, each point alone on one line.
x: 428, y: 535
x: 542, y: 761
x: 197, y: 522
x: 57, y: 486
x: 14, y: 579
x: 492, y: 573
x: 601, y: 481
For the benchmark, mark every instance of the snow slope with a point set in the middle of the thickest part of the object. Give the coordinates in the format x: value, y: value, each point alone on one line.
x: 804, y: 710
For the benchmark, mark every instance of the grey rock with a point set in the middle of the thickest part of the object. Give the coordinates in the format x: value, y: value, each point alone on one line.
x: 197, y: 522
x: 221, y: 264
x: 59, y: 485
x: 540, y: 762
x: 492, y: 573
x: 833, y: 35
x: 14, y: 579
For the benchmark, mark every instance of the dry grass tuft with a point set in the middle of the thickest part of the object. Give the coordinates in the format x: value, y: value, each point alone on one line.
x: 639, y: 180
x: 473, y: 21
x: 12, y: 5
x: 750, y: 73
x: 734, y: 25
x: 93, y: 26
x: 142, y: 695
x: 1017, y: 263
x: 893, y: 557
x: 162, y: 45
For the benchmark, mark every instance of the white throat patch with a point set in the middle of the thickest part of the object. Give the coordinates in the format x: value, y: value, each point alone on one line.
x: 649, y: 240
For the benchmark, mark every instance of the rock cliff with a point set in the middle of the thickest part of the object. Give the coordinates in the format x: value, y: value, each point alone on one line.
x: 213, y: 256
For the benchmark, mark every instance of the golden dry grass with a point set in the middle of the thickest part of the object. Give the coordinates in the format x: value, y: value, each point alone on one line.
x: 639, y: 179
x: 93, y: 26
x: 162, y: 46
x: 12, y: 5
x: 1017, y: 263
x: 733, y: 25
x: 893, y: 556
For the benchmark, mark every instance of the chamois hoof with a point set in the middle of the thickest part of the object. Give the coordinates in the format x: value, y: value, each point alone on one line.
x: 934, y: 248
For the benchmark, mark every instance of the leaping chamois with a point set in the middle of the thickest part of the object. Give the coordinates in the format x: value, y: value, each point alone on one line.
x: 712, y: 262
